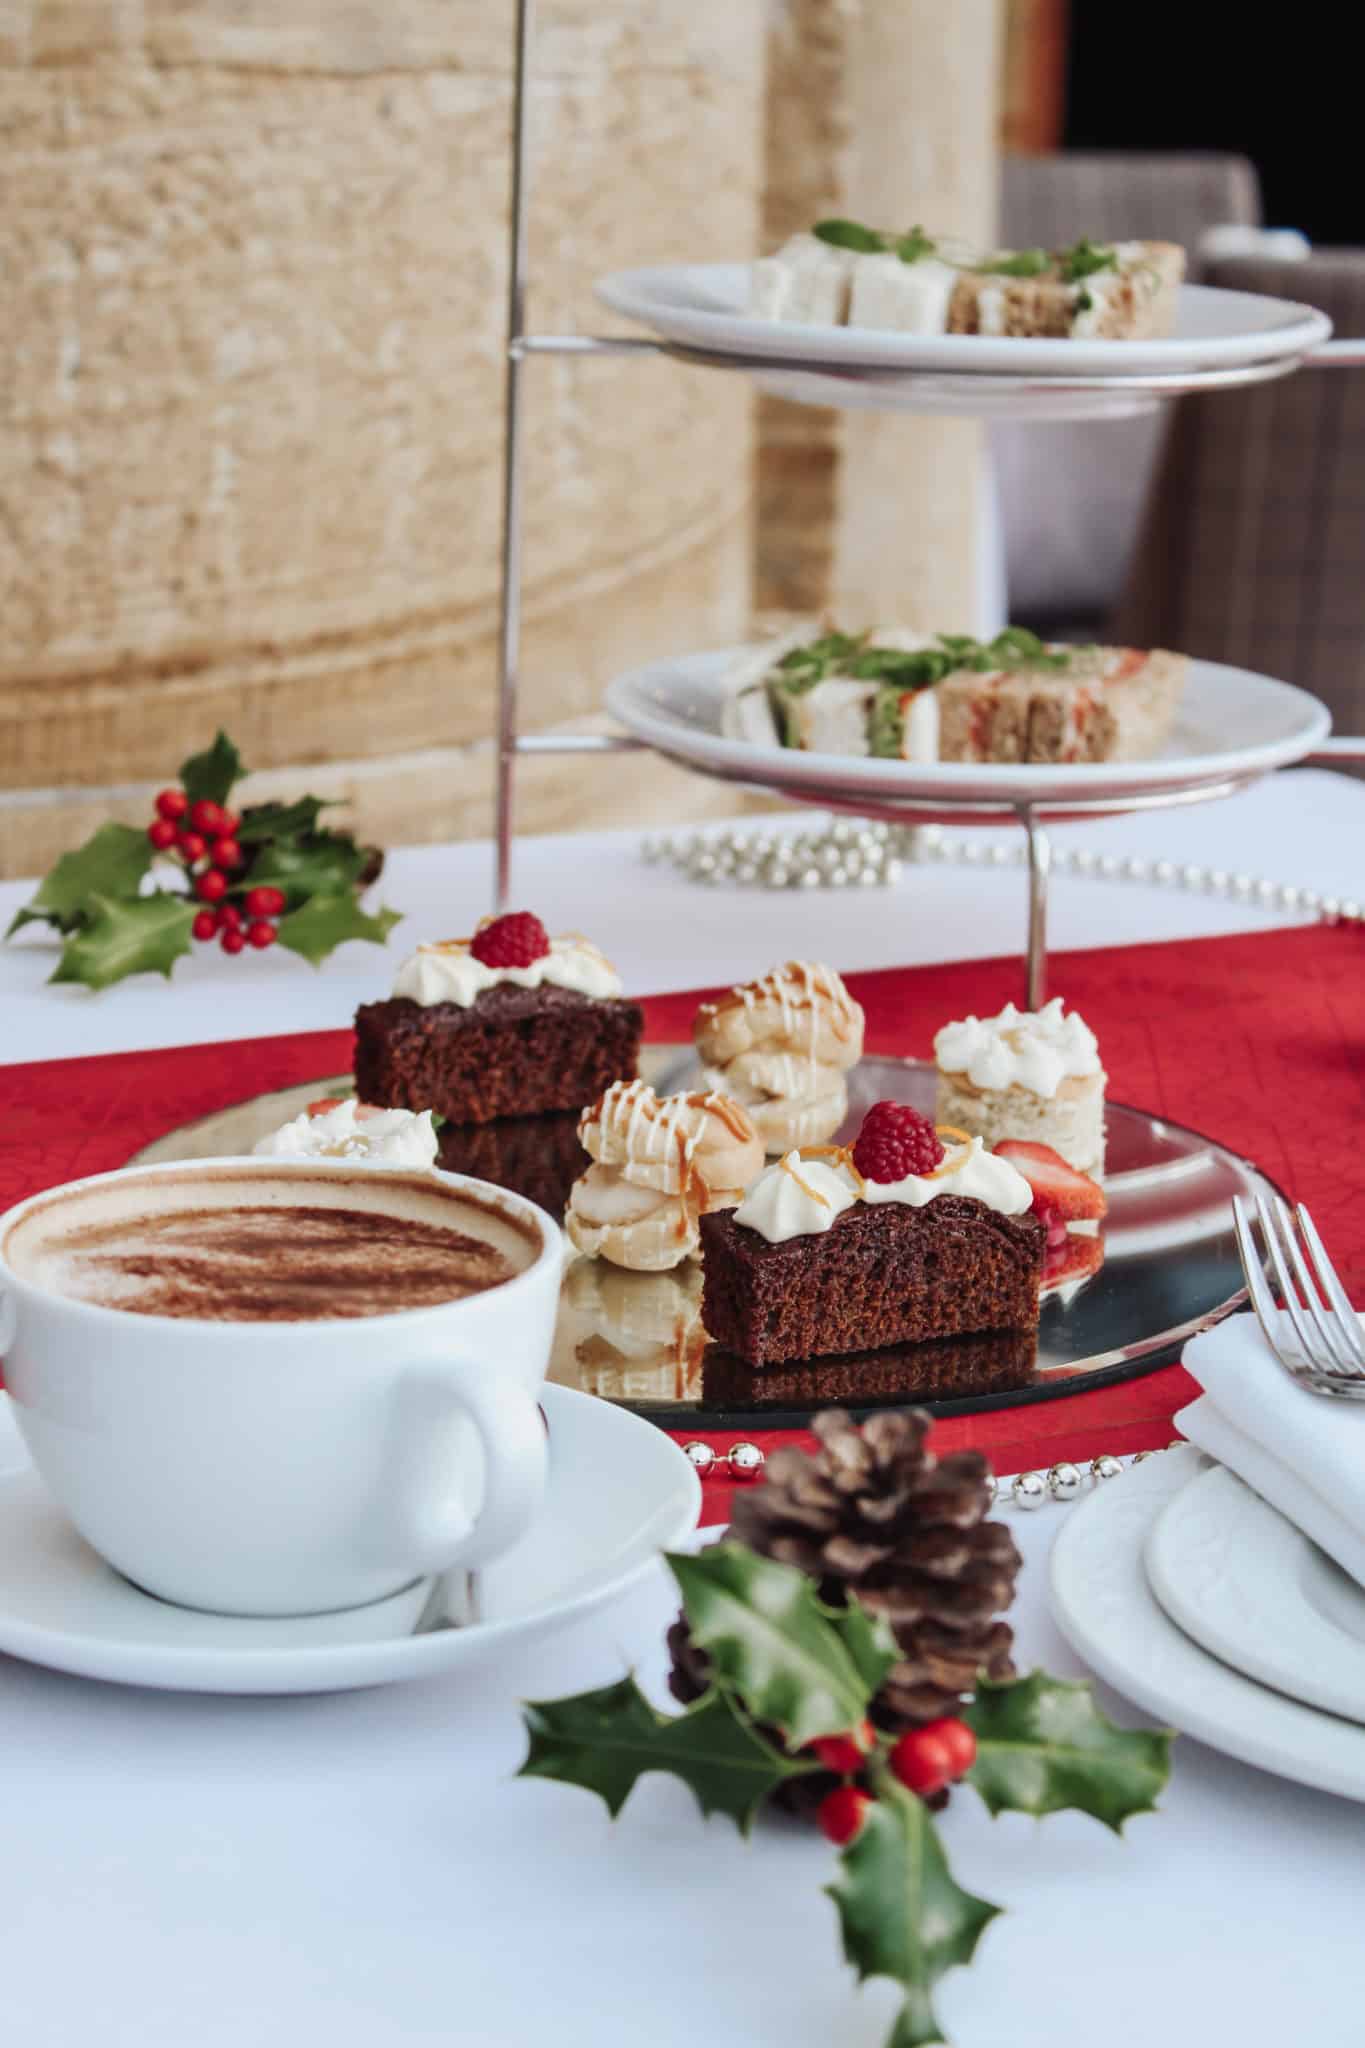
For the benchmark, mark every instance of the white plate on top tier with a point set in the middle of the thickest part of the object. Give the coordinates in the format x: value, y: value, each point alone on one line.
x: 705, y: 305
x: 1107, y: 1611
x: 620, y: 1491
x: 1232, y: 725
x: 1240, y: 1579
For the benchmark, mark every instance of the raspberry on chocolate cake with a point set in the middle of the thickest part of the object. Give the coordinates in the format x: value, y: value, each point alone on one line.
x: 507, y: 1023
x: 898, y: 1241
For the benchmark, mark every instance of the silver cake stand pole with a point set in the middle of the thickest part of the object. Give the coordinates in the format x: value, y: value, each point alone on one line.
x: 1039, y: 872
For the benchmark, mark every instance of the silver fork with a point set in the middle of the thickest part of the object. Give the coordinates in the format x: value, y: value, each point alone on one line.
x: 1329, y: 1354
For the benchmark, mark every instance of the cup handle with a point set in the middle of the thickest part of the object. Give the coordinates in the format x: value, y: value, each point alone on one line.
x: 440, y: 1532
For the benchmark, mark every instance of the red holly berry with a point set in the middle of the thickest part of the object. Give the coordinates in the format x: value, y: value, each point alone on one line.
x: 225, y: 853
x: 926, y: 1759
x: 172, y: 804
x: 894, y: 1141
x: 846, y: 1754
x: 191, y: 845
x: 841, y: 1813
x: 260, y: 932
x: 211, y: 886
x: 161, y: 832
x: 207, y: 817
x: 205, y: 924
x: 232, y: 941
x: 229, y: 917
x: 263, y: 902
x: 515, y: 940
x: 227, y: 824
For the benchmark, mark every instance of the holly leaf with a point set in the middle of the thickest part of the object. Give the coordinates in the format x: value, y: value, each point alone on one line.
x: 127, y: 935
x: 901, y: 1912
x: 796, y: 1664
x: 112, y: 862
x: 1043, y: 1746
x: 606, y: 1741
x: 322, y: 864
x: 324, y: 922
x: 281, y: 821
x: 212, y: 773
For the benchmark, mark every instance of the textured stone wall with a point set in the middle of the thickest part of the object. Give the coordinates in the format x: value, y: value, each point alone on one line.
x: 252, y: 254
x: 887, y: 114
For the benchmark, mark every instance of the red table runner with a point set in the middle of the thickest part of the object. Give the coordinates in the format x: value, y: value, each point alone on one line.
x: 1258, y: 1041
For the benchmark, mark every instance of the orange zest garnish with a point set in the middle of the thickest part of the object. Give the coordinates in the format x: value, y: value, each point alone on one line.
x: 947, y: 1165
x: 785, y: 1163
x: 843, y: 1154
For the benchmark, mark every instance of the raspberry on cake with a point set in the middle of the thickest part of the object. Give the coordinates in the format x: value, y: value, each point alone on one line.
x: 659, y: 1163
x: 820, y: 1258
x: 508, y: 1023
x: 781, y: 1046
x: 1032, y: 1074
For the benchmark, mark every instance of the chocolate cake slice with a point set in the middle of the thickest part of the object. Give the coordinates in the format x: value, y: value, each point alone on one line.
x: 882, y: 1273
x: 536, y: 1156
x: 948, y: 1369
x: 513, y: 1051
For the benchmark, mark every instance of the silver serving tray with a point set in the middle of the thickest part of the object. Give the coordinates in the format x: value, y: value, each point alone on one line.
x: 1169, y: 1268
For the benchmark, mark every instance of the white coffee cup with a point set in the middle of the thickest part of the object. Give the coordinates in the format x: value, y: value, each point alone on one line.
x: 296, y: 1467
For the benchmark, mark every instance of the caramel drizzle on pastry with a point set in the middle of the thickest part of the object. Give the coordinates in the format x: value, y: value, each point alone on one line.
x: 785, y: 1162
x: 821, y: 984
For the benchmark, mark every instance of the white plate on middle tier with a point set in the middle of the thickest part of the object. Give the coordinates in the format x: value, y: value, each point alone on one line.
x: 705, y: 305
x: 1232, y: 725
x: 1107, y: 1611
x: 1239, y: 1578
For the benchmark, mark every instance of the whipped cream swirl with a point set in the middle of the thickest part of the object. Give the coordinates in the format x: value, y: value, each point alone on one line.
x: 357, y: 1132
x: 447, y: 972
x: 1032, y: 1049
x: 801, y: 1197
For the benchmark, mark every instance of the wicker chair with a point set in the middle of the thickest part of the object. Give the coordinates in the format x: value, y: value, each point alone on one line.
x: 1253, y: 547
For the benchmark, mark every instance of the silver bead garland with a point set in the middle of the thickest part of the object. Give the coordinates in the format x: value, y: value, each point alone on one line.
x: 1064, y: 1481
x: 857, y: 853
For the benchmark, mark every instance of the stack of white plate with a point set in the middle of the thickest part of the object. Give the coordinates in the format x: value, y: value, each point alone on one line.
x: 1185, y: 1590
x: 1221, y: 339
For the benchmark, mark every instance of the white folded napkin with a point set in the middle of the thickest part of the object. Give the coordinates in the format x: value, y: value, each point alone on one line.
x: 1303, y: 1454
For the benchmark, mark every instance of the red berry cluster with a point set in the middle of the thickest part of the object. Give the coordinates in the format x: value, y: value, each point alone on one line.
x: 516, y: 939
x: 204, y: 835
x: 925, y: 1760
x: 894, y: 1141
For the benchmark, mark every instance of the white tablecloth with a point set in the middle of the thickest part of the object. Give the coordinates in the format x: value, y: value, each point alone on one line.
x: 359, y: 1872
x: 1306, y: 827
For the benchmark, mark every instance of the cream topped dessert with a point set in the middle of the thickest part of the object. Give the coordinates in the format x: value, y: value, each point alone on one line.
x: 337, y: 1127
x: 801, y: 1196
x: 450, y: 971
x: 1025, y: 1074
x: 659, y: 1162
x: 909, y: 1234
x: 782, y: 1045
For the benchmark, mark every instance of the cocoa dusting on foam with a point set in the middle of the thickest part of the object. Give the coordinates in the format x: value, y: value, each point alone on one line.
x: 302, y: 1254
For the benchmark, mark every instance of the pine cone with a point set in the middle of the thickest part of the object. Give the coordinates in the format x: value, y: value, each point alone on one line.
x: 873, y: 1514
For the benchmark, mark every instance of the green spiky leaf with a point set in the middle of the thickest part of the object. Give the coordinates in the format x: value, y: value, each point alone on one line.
x: 113, y: 860
x: 212, y: 773
x: 796, y: 1664
x: 1044, y: 1746
x: 322, y: 864
x: 607, y: 1740
x: 127, y: 935
x: 281, y: 821
x: 901, y: 1912
x: 326, y: 921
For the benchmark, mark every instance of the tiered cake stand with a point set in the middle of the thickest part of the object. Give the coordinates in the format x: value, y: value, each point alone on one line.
x: 983, y: 394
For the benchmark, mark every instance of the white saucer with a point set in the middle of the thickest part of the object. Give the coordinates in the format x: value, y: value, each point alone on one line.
x: 1231, y: 724
x: 1108, y: 1613
x: 619, y: 1492
x: 705, y: 305
x: 1245, y: 1583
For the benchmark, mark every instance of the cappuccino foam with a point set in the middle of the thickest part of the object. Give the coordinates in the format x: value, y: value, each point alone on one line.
x: 246, y: 1244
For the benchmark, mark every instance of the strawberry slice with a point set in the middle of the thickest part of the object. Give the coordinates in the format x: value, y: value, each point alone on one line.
x: 1057, y: 1188
x: 323, y: 1103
